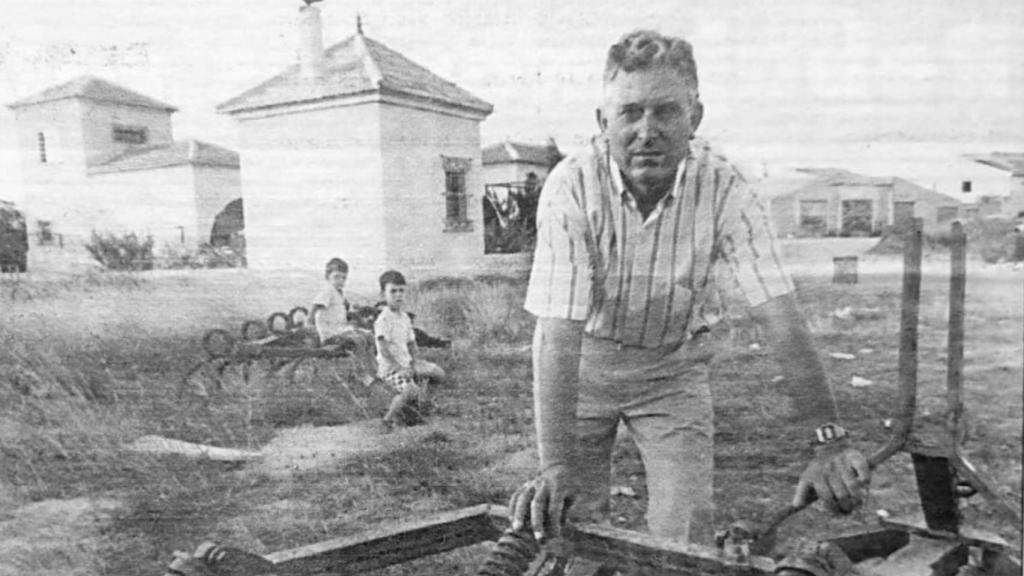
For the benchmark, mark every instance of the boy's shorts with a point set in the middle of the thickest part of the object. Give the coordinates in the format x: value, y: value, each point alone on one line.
x: 401, y: 381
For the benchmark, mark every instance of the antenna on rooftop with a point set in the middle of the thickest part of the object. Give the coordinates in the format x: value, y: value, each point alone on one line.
x: 359, y: 23
x: 311, y: 2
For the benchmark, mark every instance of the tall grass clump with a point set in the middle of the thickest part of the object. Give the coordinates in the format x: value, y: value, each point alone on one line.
x: 483, y: 309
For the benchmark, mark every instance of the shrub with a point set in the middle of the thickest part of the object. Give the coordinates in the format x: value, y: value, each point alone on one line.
x: 205, y: 256
x: 994, y: 239
x: 124, y: 252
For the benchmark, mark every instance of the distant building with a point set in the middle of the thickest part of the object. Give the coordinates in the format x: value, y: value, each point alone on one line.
x: 96, y: 156
x: 519, y: 162
x: 836, y: 202
x: 358, y: 152
x: 514, y: 173
x: 1011, y: 165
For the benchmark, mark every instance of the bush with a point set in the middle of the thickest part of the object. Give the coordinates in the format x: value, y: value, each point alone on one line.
x: 994, y: 239
x: 205, y: 256
x: 125, y: 252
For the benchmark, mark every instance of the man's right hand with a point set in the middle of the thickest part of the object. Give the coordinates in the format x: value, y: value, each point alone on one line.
x: 543, y: 503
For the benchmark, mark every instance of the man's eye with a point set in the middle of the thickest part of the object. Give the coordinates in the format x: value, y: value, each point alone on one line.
x: 668, y: 111
x: 631, y: 113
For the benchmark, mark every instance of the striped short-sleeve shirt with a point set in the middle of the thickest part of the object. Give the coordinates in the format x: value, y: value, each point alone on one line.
x: 646, y: 282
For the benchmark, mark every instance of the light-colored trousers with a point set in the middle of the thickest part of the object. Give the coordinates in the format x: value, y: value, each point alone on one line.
x: 664, y: 399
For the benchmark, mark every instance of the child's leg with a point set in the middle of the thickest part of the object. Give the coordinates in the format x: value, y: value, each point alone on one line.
x: 404, y: 408
x: 429, y: 370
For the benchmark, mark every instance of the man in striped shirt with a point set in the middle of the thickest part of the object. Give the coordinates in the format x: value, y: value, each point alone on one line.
x: 634, y: 234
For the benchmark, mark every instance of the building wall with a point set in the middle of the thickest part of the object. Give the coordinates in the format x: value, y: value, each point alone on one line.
x: 99, y: 119
x: 926, y: 205
x: 1014, y: 204
x: 160, y: 203
x: 215, y: 187
x: 51, y: 189
x: 412, y: 143
x: 785, y: 216
x: 312, y: 187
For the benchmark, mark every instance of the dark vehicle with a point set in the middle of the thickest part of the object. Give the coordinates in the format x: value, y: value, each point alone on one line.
x: 13, y: 239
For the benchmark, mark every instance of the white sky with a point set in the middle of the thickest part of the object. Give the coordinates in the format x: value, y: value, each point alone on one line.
x: 777, y: 80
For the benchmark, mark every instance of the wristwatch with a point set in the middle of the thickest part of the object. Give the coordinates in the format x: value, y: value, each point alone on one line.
x: 828, y: 434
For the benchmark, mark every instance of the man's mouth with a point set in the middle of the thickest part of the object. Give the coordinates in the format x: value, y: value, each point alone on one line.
x: 647, y: 157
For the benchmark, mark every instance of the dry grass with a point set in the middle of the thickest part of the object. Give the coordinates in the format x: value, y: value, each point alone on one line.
x: 89, y: 363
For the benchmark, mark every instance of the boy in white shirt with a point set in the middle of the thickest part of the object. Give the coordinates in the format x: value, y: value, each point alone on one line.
x: 397, y: 355
x: 329, y: 315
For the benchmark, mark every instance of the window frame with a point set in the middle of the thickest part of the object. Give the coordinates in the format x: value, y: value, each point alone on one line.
x: 119, y: 131
x: 456, y: 194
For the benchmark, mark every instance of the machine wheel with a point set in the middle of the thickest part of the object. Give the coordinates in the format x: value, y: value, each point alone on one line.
x: 279, y: 323
x: 218, y: 343
x: 254, y: 330
x: 298, y: 316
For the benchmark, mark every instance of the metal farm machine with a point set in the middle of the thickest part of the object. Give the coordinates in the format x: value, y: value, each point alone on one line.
x: 941, y: 546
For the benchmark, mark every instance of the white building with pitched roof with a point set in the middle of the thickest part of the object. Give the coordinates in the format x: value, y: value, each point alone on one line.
x: 358, y: 152
x: 96, y: 156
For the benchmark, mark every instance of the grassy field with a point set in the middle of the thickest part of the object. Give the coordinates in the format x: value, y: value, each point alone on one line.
x: 90, y: 363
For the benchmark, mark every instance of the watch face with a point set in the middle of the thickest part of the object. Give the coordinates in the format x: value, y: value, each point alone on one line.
x: 829, y: 433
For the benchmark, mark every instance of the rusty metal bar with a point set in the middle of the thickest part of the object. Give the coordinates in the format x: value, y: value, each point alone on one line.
x: 394, y: 544
x: 625, y: 549
x: 955, y: 346
x: 907, y: 366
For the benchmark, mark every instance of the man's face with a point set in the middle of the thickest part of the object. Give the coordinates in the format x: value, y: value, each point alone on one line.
x: 649, y: 117
x: 394, y: 295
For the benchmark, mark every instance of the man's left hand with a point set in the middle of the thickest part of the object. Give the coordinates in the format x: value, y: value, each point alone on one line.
x: 838, y: 475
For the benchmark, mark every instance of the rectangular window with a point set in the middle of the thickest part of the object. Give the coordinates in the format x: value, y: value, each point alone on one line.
x: 965, y: 186
x: 813, y: 217
x: 41, y: 140
x: 45, y: 232
x: 946, y: 214
x: 456, y: 200
x: 130, y: 134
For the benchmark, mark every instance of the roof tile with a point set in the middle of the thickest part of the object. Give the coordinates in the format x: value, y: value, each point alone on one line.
x: 92, y: 88
x: 192, y: 152
x: 347, y: 73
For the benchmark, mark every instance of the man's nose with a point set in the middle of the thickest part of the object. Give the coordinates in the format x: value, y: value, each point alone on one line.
x: 648, y: 126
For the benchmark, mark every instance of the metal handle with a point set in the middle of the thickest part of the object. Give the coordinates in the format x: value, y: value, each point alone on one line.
x: 904, y: 423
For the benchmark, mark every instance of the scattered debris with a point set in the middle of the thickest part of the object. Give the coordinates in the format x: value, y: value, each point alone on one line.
x: 842, y: 356
x: 858, y: 382
x: 866, y: 351
x: 159, y: 445
x: 851, y: 313
x: 778, y: 379
x: 755, y: 346
x: 623, y: 491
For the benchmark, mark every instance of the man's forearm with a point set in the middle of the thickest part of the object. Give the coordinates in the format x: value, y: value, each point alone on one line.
x: 556, y: 360
x: 805, y: 378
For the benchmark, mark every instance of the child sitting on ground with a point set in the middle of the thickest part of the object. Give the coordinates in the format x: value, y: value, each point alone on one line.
x: 397, y: 354
x: 329, y: 315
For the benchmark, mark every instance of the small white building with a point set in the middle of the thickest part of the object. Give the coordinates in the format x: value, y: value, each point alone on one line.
x: 517, y: 162
x: 358, y: 152
x: 1010, y: 165
x: 96, y: 156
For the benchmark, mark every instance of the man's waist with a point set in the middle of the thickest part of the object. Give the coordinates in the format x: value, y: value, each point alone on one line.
x: 690, y: 337
x: 648, y: 362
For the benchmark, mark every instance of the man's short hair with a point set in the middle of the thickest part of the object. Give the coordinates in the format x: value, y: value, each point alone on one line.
x: 391, y: 277
x: 335, y: 265
x: 644, y: 49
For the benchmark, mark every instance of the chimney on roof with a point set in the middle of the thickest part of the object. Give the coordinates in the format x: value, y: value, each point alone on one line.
x: 311, y: 42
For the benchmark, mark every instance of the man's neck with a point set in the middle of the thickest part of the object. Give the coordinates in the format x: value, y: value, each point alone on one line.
x: 647, y: 194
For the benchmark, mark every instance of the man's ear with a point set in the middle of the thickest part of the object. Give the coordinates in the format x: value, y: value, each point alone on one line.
x: 697, y: 114
x: 602, y: 122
